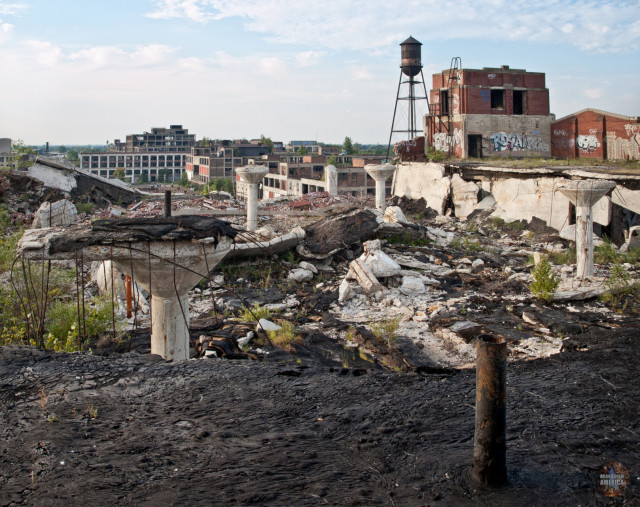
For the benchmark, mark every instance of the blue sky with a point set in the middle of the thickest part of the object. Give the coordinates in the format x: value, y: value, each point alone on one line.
x: 76, y: 72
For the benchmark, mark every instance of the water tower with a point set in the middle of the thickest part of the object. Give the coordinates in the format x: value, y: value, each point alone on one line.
x: 409, y: 108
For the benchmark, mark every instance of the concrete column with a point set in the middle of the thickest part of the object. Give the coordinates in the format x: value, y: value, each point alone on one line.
x: 331, y: 180
x: 252, y: 176
x: 380, y: 173
x: 584, y: 194
x: 170, y: 333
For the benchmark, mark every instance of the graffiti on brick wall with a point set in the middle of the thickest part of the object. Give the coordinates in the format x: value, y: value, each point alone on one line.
x: 619, y: 148
x: 485, y: 96
x: 501, y: 141
x: 560, y: 132
x: 631, y: 129
x: 587, y: 143
x: 442, y: 140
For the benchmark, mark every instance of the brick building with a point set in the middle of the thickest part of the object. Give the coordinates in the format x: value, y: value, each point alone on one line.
x: 493, y: 111
x: 592, y: 133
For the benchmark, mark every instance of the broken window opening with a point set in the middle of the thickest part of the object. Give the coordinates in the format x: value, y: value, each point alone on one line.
x: 444, y: 102
x: 518, y: 102
x: 497, y: 99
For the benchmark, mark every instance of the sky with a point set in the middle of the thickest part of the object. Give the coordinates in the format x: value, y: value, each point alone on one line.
x: 90, y: 71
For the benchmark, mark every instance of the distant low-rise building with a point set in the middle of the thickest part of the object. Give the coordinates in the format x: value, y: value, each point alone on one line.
x: 5, y: 152
x: 592, y: 133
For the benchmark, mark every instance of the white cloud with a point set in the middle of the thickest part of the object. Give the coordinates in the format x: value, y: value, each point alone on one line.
x: 194, y: 10
x: 98, y: 56
x: 607, y: 26
x: 272, y: 66
x: 5, y: 32
x: 308, y: 58
x: 594, y: 93
x: 11, y: 8
x: 44, y: 53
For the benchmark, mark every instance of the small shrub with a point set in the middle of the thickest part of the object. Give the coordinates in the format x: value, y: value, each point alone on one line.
x: 561, y: 258
x: 545, y: 281
x: 255, y: 313
x: 605, y: 253
x: 619, y: 286
x: 436, y: 155
x: 386, y: 330
x: 285, y: 337
x: 85, y: 207
x: 466, y: 244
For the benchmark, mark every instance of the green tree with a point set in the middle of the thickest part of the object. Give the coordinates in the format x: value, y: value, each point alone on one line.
x: 348, y: 146
x: 119, y: 173
x: 302, y: 150
x: 332, y: 160
x: 72, y: 156
x: 266, y: 141
x: 23, y: 154
x: 143, y: 178
x: 356, y: 148
x: 205, y: 142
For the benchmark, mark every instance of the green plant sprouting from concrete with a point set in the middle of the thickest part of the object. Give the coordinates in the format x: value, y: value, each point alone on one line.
x: 254, y: 313
x: 386, y: 330
x: 285, y: 337
x: 544, y: 281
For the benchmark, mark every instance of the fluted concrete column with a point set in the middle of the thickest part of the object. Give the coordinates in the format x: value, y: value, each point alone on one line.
x: 380, y: 173
x: 584, y: 194
x: 252, y: 176
x: 331, y: 180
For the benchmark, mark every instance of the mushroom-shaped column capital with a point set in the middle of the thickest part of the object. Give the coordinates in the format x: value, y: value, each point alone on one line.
x: 252, y: 173
x: 380, y: 172
x: 585, y: 192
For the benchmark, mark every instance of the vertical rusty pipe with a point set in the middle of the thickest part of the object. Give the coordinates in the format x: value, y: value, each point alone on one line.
x: 129, y: 291
x: 490, y: 448
x: 167, y: 203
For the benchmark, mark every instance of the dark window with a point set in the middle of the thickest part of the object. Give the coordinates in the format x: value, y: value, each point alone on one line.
x: 497, y: 99
x: 518, y: 101
x: 444, y: 102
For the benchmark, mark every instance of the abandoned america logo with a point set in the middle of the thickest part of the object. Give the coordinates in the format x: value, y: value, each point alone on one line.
x: 612, y: 479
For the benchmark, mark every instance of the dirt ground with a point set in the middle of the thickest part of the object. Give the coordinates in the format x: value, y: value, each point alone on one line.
x: 133, y: 429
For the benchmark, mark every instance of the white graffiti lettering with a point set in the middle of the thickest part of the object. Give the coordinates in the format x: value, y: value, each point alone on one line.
x: 501, y: 141
x: 560, y: 133
x: 442, y: 141
x: 491, y: 76
x: 623, y: 149
x: 587, y: 144
x: 631, y: 129
x: 593, y: 132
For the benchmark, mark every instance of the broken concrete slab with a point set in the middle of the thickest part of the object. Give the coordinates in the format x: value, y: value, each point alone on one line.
x: 428, y: 180
x: 465, y: 196
x: 365, y: 276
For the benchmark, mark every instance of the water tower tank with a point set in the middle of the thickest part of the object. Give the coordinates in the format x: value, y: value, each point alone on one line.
x: 411, y: 57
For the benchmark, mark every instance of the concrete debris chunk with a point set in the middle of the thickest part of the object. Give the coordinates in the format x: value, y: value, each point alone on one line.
x: 633, y: 241
x: 266, y: 325
x: 394, y: 214
x: 344, y: 291
x: 309, y: 267
x: 477, y: 265
x: 365, y: 276
x: 57, y: 214
x: 300, y: 275
x: 411, y: 286
x: 465, y: 195
x: 381, y: 264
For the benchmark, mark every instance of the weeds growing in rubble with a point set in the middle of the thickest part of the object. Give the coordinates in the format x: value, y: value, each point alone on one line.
x: 620, y: 288
x: 562, y: 258
x: 285, y: 337
x: 545, y: 281
x: 465, y: 244
x: 386, y: 330
x: 254, y: 313
x: 408, y: 239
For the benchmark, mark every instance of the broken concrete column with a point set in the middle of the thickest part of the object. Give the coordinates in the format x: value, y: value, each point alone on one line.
x: 168, y: 267
x: 380, y: 173
x: 331, y: 180
x: 59, y: 213
x: 252, y: 175
x: 584, y: 194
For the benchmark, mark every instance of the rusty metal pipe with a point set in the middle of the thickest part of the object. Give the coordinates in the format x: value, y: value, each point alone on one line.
x: 167, y: 203
x: 490, y: 448
x: 129, y: 291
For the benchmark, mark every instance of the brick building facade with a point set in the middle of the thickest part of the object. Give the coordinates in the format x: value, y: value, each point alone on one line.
x: 493, y: 111
x: 592, y: 133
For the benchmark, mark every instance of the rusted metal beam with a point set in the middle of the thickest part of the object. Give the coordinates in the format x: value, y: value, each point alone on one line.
x: 489, y: 448
x: 167, y: 203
